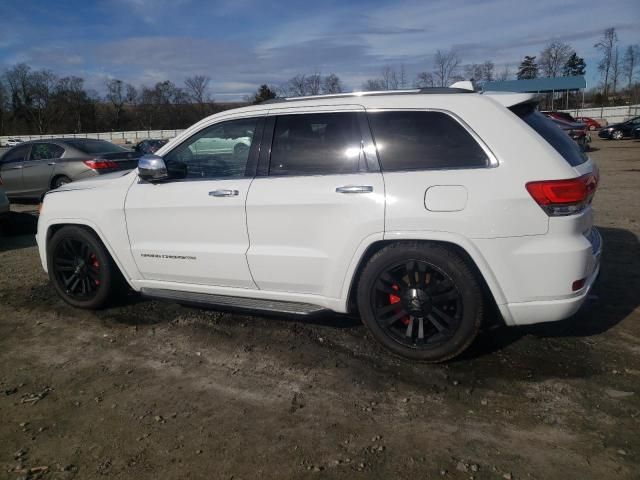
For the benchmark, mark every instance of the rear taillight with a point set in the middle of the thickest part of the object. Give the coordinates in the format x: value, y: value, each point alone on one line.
x: 100, y: 164
x: 564, y: 197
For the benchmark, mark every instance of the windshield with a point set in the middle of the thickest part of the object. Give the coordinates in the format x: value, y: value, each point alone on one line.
x: 556, y: 137
x: 95, y: 146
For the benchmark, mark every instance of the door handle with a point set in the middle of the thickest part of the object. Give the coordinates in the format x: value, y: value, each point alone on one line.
x: 224, y: 193
x: 18, y: 167
x: 355, y: 189
x: 51, y: 163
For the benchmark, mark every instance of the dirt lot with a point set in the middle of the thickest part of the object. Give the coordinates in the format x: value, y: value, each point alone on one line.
x: 151, y: 390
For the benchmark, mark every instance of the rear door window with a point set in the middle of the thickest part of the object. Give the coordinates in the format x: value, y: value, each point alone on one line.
x: 44, y: 151
x: 316, y: 144
x: 419, y: 140
x: 557, y: 138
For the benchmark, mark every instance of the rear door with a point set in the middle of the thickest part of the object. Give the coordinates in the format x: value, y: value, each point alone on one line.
x: 38, y: 168
x: 11, y: 166
x: 316, y: 198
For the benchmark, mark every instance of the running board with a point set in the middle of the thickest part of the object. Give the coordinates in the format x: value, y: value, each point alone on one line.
x: 225, y: 302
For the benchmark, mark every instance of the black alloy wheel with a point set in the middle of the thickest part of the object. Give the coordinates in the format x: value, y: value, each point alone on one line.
x: 417, y: 304
x: 80, y: 268
x: 420, y: 300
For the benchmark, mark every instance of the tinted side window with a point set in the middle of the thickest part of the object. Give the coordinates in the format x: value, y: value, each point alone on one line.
x: 316, y: 144
x: 219, y: 151
x: 558, y: 139
x: 423, y: 140
x: 15, y: 155
x: 43, y: 151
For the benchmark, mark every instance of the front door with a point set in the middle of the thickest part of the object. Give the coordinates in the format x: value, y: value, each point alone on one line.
x: 11, y: 166
x: 319, y: 198
x: 192, y: 228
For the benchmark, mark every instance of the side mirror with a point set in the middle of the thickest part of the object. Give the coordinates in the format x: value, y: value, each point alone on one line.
x: 152, y: 168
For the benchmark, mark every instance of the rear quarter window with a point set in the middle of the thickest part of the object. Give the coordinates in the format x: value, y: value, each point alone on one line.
x: 554, y: 136
x: 419, y: 140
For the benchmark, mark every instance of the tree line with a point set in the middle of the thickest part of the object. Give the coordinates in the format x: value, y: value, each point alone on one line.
x: 39, y: 101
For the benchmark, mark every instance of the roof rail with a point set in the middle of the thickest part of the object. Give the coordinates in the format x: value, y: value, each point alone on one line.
x: 414, y: 91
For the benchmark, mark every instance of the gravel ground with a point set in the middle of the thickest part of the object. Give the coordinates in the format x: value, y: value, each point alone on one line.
x: 151, y: 390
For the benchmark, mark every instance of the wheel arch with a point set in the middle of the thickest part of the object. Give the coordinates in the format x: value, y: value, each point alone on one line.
x: 52, y: 228
x: 490, y: 287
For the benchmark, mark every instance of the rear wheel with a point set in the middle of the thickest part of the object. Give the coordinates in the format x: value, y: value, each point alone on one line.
x: 59, y: 181
x: 420, y: 301
x: 80, y: 268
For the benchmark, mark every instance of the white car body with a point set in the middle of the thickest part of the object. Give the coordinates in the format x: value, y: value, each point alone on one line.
x: 12, y: 142
x: 295, y: 239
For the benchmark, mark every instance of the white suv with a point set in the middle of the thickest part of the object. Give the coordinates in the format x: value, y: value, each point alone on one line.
x: 417, y: 210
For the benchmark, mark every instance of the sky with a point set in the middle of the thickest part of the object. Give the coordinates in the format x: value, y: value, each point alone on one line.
x: 241, y: 44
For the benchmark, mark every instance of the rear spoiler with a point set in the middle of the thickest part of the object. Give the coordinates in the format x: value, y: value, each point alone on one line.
x: 508, y: 99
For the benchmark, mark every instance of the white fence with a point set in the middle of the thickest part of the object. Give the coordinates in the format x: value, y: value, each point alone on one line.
x: 115, y: 137
x: 610, y: 114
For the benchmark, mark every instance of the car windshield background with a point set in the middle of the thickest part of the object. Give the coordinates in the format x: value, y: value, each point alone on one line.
x: 43, y: 151
x: 556, y: 137
x: 15, y: 155
x: 95, y: 147
x: 316, y: 144
x: 412, y: 140
x: 219, y: 151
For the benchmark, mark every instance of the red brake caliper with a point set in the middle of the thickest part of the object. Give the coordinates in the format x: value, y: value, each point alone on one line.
x: 95, y: 263
x: 393, y: 299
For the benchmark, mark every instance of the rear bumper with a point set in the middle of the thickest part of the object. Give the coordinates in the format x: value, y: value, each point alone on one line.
x: 537, y: 275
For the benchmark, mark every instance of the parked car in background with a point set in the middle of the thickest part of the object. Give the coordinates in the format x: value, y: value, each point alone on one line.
x: 149, y: 145
x: 383, y: 205
x: 4, y: 202
x: 577, y: 131
x: 32, y: 168
x: 618, y: 131
x: 12, y: 142
x: 589, y: 122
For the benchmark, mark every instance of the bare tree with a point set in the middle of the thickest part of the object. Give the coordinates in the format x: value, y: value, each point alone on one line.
x: 553, y: 57
x: 630, y: 63
x: 42, y: 111
x: 331, y: 84
x: 505, y: 74
x: 117, y: 96
x: 446, y: 67
x: 373, y: 85
x: 606, y: 45
x: 487, y: 71
x: 615, y: 70
x: 313, y: 84
x: 402, y: 77
x: 389, y: 78
x: 197, y: 88
x: 424, y: 80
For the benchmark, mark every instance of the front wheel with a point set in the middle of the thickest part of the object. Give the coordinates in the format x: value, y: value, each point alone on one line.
x: 420, y: 301
x: 80, y: 268
x: 617, y: 135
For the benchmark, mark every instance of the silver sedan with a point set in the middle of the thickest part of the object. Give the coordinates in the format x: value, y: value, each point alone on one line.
x: 31, y: 169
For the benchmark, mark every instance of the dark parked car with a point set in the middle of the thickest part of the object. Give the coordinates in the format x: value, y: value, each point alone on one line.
x: 618, y: 131
x: 32, y: 168
x: 577, y: 131
x: 150, y: 145
x: 636, y: 133
x: 589, y: 122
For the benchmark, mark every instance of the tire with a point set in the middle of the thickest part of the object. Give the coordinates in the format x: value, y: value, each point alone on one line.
x: 592, y: 127
x: 76, y: 251
x: 59, y: 181
x: 443, y: 303
x: 617, y: 135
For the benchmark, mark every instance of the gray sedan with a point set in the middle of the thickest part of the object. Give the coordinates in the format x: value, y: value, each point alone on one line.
x: 31, y: 169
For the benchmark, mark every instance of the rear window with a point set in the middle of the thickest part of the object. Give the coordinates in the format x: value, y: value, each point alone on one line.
x: 415, y: 140
x: 95, y: 146
x: 554, y: 136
